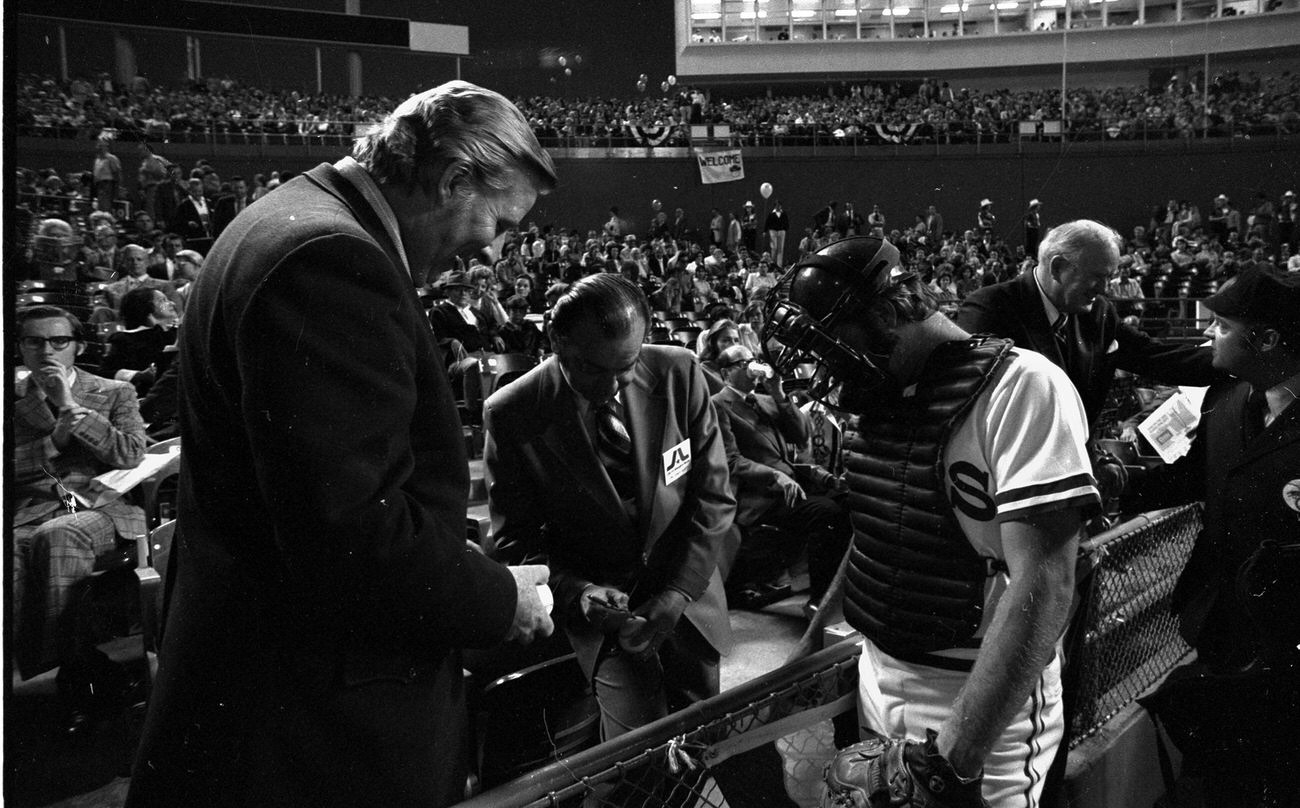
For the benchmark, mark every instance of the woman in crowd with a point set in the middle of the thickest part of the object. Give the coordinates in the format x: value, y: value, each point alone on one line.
x: 719, y: 336
x: 486, y: 303
x: 146, y: 344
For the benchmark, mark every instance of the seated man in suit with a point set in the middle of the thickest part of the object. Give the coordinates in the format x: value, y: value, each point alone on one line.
x: 135, y: 263
x: 607, y: 462
x: 758, y: 426
x: 69, y: 426
x: 457, y: 329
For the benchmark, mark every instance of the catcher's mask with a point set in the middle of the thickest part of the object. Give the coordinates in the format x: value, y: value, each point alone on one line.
x: 811, y: 299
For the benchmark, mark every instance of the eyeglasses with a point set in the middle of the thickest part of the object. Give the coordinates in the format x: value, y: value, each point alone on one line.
x: 37, y: 343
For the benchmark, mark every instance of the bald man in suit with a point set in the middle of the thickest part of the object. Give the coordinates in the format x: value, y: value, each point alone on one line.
x: 606, y: 462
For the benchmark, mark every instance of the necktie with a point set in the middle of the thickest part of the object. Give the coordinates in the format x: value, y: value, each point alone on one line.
x: 614, y: 446
x: 752, y: 401
x: 1062, y: 332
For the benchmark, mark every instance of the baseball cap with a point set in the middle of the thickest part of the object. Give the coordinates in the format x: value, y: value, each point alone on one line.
x: 1262, y: 295
x: 1033, y: 203
x: 984, y: 202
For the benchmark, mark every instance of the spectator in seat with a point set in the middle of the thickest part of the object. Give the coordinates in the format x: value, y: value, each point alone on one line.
x: 144, y: 346
x: 135, y: 263
x: 456, y: 325
x: 718, y: 337
x: 519, y: 335
x: 483, y: 298
x: 69, y: 426
x: 99, y: 260
x: 763, y: 430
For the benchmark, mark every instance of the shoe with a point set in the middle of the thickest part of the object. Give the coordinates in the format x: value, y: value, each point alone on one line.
x: 755, y: 597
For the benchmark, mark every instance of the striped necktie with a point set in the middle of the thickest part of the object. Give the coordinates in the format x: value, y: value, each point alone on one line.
x: 614, y: 446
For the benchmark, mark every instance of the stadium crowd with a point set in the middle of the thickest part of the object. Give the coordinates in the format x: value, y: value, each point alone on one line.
x: 887, y: 112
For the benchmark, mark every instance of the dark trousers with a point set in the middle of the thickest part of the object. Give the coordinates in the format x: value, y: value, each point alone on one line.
x: 818, y: 523
x: 635, y: 690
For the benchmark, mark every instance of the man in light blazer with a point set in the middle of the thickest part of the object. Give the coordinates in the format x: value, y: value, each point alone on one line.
x: 630, y: 516
x: 68, y: 427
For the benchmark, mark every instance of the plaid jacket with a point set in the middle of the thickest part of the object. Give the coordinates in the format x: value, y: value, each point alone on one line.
x: 110, y: 437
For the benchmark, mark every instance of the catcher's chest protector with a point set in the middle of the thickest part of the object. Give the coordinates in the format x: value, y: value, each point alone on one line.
x: 914, y: 583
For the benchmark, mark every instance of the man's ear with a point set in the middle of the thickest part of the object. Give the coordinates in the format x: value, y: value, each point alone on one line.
x: 1056, y: 266
x: 1265, y: 339
x: 81, y: 347
x: 454, y: 180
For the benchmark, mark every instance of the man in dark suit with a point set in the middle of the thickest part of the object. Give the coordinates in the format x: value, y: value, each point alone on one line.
x: 322, y: 585
x: 456, y: 327
x: 193, y: 217
x: 230, y: 205
x: 1241, y: 614
x: 1058, y: 310
x: 606, y: 460
x: 759, y: 427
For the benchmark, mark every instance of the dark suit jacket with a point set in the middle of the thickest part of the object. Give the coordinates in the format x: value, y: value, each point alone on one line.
x: 189, y: 223
x: 322, y: 579
x: 1242, y: 483
x: 1014, y: 309
x: 760, y: 449
x: 550, y: 496
x: 448, y: 324
x: 223, y: 213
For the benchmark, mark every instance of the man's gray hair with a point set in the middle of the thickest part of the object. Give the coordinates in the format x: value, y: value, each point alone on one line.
x: 456, y: 123
x: 1072, y: 238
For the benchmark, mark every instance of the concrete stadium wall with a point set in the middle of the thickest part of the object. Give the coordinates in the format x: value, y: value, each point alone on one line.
x: 1116, y: 183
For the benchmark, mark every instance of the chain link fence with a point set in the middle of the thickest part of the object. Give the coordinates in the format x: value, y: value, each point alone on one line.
x: 766, y: 742
x: 1125, y: 637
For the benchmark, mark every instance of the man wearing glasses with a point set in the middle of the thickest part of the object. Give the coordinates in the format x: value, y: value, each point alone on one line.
x: 69, y: 426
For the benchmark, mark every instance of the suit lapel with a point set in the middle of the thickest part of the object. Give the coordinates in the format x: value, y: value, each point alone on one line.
x: 566, y: 438
x: 1041, y: 338
x: 1284, y: 431
x: 30, y: 409
x: 744, y: 412
x: 89, y: 392
x: 646, y: 408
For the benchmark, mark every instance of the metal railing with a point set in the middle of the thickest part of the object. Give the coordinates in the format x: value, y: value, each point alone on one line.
x: 771, y: 138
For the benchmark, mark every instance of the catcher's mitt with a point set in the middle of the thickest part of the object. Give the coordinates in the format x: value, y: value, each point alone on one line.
x: 894, y: 773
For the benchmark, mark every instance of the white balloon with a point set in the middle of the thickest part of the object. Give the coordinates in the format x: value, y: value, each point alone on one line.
x: 563, y: 61
x: 765, y: 189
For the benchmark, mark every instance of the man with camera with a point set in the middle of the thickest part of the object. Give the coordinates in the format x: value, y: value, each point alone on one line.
x: 763, y: 431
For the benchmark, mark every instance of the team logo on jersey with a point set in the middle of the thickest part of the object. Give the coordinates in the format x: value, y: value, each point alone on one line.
x: 1291, y: 495
x: 969, y: 492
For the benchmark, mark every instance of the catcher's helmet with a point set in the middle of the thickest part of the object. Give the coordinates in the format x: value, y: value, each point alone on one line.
x: 812, y: 298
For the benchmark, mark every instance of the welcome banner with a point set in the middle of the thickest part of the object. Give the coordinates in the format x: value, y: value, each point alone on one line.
x: 720, y: 166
